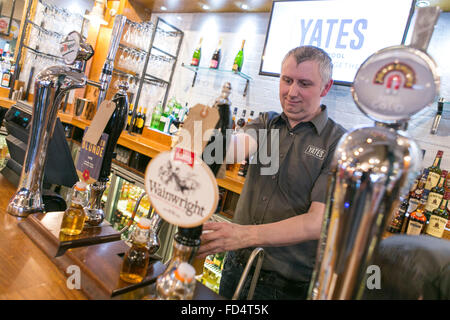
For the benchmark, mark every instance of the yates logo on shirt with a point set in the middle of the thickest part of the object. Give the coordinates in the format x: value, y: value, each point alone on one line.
x: 316, y: 152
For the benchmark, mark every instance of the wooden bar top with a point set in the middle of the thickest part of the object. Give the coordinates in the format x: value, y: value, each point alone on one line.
x: 26, y: 272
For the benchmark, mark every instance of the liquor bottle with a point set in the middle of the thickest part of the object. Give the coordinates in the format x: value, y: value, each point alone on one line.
x: 156, y: 116
x: 74, y: 217
x: 130, y: 116
x: 438, y: 219
x: 417, y: 220
x: 399, y: 218
x: 436, y: 194
x: 243, y: 168
x: 136, y: 260
x: 179, y: 284
x: 183, y: 112
x: 416, y: 195
x: 239, y: 59
x: 215, y: 60
x: 434, y: 171
x: 234, y: 117
x: 114, y: 128
x: 164, y: 119
x: 177, y: 109
x: 241, y: 121
x: 250, y: 118
x: 6, y: 78
x: 172, y: 124
x: 197, y: 54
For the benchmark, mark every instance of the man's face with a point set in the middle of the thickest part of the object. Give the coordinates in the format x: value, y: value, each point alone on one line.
x: 301, y: 89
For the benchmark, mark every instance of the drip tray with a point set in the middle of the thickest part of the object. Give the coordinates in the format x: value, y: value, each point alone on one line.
x: 98, y: 261
x: 49, y: 225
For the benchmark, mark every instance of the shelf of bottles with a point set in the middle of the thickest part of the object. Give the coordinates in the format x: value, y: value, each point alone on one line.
x: 212, y: 271
x: 214, y: 64
x: 45, y: 30
x: 153, y: 47
x: 425, y: 210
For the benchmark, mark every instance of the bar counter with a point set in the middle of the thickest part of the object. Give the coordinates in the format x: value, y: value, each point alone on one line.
x: 29, y: 274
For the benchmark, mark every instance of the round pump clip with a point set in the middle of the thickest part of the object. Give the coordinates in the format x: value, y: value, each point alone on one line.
x: 395, y: 83
x: 73, y: 48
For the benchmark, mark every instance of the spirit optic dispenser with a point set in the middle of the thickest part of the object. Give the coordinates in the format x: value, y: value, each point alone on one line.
x: 51, y: 86
x: 372, y: 166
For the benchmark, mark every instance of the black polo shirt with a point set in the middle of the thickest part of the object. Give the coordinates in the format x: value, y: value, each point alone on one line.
x: 304, y: 155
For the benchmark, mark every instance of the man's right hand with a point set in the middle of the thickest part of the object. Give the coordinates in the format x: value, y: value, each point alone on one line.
x: 224, y: 236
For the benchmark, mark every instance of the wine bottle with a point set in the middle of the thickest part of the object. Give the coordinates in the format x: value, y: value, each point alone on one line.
x: 156, y: 116
x: 239, y: 59
x: 114, y: 128
x: 136, y: 120
x: 215, y: 60
x: 140, y: 122
x: 130, y: 116
x: 197, y: 54
x: 144, y: 118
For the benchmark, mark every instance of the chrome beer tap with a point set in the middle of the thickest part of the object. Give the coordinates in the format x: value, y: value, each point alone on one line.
x: 51, y: 86
x: 373, y: 166
x: 94, y: 210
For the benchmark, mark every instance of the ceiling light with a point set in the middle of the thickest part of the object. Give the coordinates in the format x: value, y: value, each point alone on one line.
x: 244, y: 6
x: 205, y: 7
x: 163, y: 8
x: 422, y: 3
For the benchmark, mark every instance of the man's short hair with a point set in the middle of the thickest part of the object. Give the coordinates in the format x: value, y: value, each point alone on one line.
x: 307, y: 53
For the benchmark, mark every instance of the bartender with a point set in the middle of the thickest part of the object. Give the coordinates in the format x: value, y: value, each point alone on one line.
x: 282, y: 203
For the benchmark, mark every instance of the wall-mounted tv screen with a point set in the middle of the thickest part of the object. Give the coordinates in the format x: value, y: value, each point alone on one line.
x: 348, y: 30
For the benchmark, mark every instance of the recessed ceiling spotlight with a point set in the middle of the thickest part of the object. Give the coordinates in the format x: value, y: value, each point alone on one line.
x: 163, y: 8
x: 422, y: 3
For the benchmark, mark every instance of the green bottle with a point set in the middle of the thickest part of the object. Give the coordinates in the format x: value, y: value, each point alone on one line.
x: 163, y: 120
x: 239, y: 60
x: 156, y: 116
x: 197, y: 54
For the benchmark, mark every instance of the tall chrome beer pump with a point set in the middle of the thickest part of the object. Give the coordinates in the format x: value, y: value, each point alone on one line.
x: 373, y: 166
x: 94, y: 210
x: 50, y: 87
